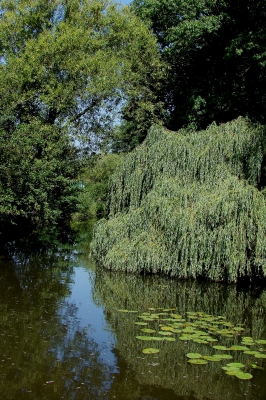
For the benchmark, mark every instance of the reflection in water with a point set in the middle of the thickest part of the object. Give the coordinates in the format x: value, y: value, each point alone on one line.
x: 169, y: 368
x: 47, y: 350
x: 61, y: 335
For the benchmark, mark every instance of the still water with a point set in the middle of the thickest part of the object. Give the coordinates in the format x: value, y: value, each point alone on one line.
x: 62, y: 335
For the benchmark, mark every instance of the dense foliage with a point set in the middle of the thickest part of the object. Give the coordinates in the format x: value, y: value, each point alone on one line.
x: 189, y: 205
x: 66, y: 68
x: 94, y: 181
x: 217, y: 59
x: 37, y: 169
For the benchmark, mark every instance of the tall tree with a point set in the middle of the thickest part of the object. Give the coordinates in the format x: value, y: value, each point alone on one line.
x: 216, y: 53
x: 66, y: 68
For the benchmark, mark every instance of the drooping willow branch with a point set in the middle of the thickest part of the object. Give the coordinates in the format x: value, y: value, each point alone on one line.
x: 188, y: 205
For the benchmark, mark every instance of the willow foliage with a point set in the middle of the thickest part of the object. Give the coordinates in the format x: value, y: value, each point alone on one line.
x: 188, y: 205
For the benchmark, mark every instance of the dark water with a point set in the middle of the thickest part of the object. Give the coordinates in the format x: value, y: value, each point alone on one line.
x: 62, y: 336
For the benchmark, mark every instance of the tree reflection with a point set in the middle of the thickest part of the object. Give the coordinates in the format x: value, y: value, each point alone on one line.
x: 45, y: 352
x: 169, y: 369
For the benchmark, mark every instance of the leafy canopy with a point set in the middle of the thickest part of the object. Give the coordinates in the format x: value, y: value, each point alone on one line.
x: 217, y: 59
x: 66, y: 68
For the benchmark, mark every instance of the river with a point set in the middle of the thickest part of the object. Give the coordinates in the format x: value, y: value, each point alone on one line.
x: 68, y: 330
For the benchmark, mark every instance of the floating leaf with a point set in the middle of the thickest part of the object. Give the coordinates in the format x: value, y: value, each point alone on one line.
x: 185, y: 337
x: 232, y: 372
x: 148, y: 338
x: 148, y: 330
x: 150, y: 350
x: 206, y: 337
x: 201, y: 333
x: 210, y: 339
x: 194, y: 355
x: 220, y: 347
x: 244, y: 375
x: 212, y: 358
x: 177, y: 316
x: 259, y: 355
x: 166, y: 328
x: 169, y: 339
x: 141, y: 323
x: 261, y: 341
x: 200, y: 341
x: 247, y: 343
x: 231, y: 369
x: 251, y: 352
x: 198, y: 361
x: 238, y: 348
x: 235, y: 365
x: 238, y: 328
x: 165, y: 333
x: 188, y: 330
x: 257, y: 367
x: 225, y: 356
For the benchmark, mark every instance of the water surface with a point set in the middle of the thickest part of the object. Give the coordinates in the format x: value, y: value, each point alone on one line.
x: 62, y: 336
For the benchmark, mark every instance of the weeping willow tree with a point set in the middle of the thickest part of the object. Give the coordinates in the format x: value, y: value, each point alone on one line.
x: 190, y: 205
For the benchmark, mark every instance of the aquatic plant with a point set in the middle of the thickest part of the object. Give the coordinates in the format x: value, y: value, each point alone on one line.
x: 189, y: 204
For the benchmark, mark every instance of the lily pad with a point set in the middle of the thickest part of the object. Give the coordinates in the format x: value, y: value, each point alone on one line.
x: 149, y: 338
x: 210, y: 339
x: 259, y: 355
x: 244, y: 375
x: 225, y: 356
x: 231, y: 372
x: 166, y: 328
x: 251, y: 352
x: 197, y: 361
x: 150, y: 350
x: 200, y: 341
x: 194, y: 355
x: 261, y: 341
x: 212, y: 358
x: 238, y: 328
x: 235, y: 365
x: 188, y: 330
x: 148, y: 330
x: 238, y: 348
x: 141, y: 323
x: 255, y: 366
x: 185, y: 337
x: 177, y: 316
x: 220, y: 347
x: 169, y: 339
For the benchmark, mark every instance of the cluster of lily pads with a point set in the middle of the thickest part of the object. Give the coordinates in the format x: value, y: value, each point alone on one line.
x: 204, y: 329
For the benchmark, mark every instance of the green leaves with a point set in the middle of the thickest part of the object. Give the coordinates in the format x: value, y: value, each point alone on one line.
x: 216, y: 54
x: 186, y: 204
x: 66, y: 71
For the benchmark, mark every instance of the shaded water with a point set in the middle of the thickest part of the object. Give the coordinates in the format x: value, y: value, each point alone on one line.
x: 62, y: 336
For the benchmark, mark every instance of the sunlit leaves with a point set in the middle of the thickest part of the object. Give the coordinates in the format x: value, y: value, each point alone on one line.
x: 186, y: 204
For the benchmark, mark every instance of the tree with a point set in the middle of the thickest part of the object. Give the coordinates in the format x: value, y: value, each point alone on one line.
x: 189, y: 205
x: 216, y: 53
x: 66, y: 67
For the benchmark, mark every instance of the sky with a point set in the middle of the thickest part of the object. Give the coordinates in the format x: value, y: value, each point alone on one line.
x: 124, y: 1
